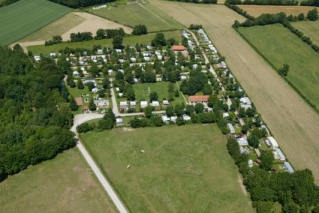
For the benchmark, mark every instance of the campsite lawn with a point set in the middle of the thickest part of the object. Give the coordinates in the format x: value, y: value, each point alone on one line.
x: 184, y: 168
x: 142, y: 92
x: 309, y: 28
x: 279, y: 46
x: 63, y: 184
x: 129, y: 40
x: 26, y: 16
x: 139, y: 13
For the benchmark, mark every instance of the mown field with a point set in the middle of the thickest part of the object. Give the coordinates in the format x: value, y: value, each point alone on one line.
x: 129, y: 40
x: 309, y: 28
x: 290, y: 118
x: 183, y: 169
x: 257, y: 10
x: 139, y: 13
x: 64, y: 184
x: 280, y: 46
x: 25, y: 17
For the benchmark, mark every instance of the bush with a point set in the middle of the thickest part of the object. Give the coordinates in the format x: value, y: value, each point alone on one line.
x: 82, y: 128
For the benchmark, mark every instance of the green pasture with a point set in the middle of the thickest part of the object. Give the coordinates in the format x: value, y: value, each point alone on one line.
x: 63, y: 184
x: 139, y: 13
x: 128, y: 40
x: 184, y: 169
x: 27, y: 16
x: 308, y: 28
x: 279, y: 46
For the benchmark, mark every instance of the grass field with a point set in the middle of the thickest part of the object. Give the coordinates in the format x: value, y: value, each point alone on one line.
x: 291, y: 120
x: 58, y: 27
x: 183, y: 169
x: 130, y: 40
x: 309, y: 28
x: 64, y: 184
x: 25, y: 17
x: 280, y: 46
x: 257, y: 10
x: 140, y: 13
x: 141, y: 91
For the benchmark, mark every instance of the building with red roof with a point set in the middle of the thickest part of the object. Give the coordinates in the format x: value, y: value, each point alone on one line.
x: 179, y: 48
x: 198, y: 99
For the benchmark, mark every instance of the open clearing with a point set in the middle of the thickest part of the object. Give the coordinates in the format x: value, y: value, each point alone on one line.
x: 129, y: 40
x: 183, y: 169
x: 27, y: 16
x: 309, y: 28
x: 64, y: 184
x: 139, y: 13
x: 257, y: 10
x: 290, y: 118
x: 280, y: 46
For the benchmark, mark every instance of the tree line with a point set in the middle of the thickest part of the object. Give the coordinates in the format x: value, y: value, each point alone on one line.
x: 7, y: 2
x: 35, y: 113
x: 263, y: 2
x: 80, y: 3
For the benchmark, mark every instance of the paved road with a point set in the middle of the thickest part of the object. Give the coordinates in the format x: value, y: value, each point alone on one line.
x: 78, y: 119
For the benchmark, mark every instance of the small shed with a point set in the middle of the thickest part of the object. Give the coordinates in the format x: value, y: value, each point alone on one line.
x: 165, y: 102
x: 231, y: 128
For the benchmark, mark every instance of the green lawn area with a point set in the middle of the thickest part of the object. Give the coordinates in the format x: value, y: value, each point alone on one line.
x: 129, y: 40
x: 27, y: 16
x: 308, y: 28
x: 63, y: 184
x: 280, y: 46
x: 142, y: 93
x: 135, y: 14
x: 184, y: 169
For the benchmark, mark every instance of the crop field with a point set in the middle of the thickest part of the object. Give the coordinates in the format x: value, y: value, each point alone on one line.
x: 309, y: 28
x: 290, y: 118
x: 27, y: 16
x: 142, y: 93
x: 257, y: 10
x: 129, y: 40
x: 183, y: 169
x: 64, y: 184
x: 139, y: 13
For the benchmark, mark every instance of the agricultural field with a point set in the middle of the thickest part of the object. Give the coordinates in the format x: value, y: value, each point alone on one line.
x: 27, y: 16
x: 257, y: 10
x: 309, y: 28
x: 64, y: 184
x: 289, y: 117
x: 186, y: 169
x: 129, y: 40
x: 138, y: 13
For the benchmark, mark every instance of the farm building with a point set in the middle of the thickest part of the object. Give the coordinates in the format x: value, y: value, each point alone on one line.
x: 78, y: 101
x: 279, y: 155
x: 144, y: 104
x: 198, y: 99
x: 270, y: 141
x: 242, y: 142
x: 177, y: 48
x: 231, y: 128
x: 288, y: 167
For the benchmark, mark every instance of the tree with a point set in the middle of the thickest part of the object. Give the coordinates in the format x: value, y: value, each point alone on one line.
x: 148, y: 111
x: 284, y: 70
x: 117, y: 42
x: 106, y: 83
x: 301, y: 17
x: 315, y: 210
x: 80, y: 84
x: 92, y: 105
x: 153, y: 96
x: 139, y: 30
x: 176, y: 93
x: 180, y: 121
x: 189, y: 109
x: 207, y: 89
x: 199, y: 108
x: 170, y: 111
x: 253, y: 141
x: 244, y: 129
x: 179, y: 110
x: 90, y: 86
x: 159, y: 40
x: 312, y: 15
x: 267, y: 160
x: 100, y: 34
x: 84, y: 127
x: 130, y: 94
x: 73, y: 105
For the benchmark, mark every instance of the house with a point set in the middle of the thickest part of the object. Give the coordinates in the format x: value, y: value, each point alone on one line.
x: 119, y: 121
x: 193, y: 99
x: 186, y: 118
x: 242, y: 142
x: 288, y: 167
x: 133, y: 104
x: 78, y: 101
x: 279, y: 155
x: 144, y: 104
x: 270, y: 141
x: 178, y: 48
x: 231, y: 128
x: 123, y: 106
x: 165, y: 102
x: 99, y: 51
x: 102, y: 103
x: 165, y: 119
x: 155, y: 103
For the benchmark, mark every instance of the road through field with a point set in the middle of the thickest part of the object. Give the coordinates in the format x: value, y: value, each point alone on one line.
x: 291, y: 120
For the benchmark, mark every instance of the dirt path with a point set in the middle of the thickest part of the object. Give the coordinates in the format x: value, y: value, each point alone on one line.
x: 291, y: 120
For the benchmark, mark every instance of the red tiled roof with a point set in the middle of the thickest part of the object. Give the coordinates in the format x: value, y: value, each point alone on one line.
x: 78, y: 101
x: 179, y: 47
x: 198, y: 98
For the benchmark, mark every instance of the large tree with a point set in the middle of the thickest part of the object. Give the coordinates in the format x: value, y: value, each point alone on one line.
x: 117, y: 42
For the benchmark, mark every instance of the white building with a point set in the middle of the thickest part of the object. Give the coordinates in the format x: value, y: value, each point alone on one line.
x: 242, y: 142
x: 231, y: 128
x: 143, y: 104
x: 270, y: 141
x: 288, y: 167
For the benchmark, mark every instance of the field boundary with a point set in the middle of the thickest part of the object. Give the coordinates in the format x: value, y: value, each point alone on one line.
x: 312, y: 105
